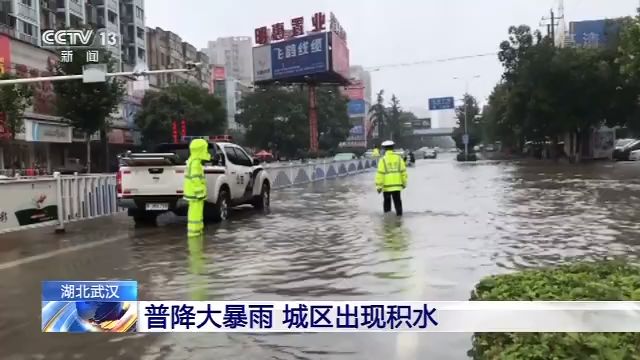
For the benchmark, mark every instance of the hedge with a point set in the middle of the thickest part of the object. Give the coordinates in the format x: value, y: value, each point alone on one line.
x: 598, y: 281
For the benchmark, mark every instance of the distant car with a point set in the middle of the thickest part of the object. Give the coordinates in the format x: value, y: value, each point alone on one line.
x: 419, y: 154
x: 345, y: 157
x: 634, y: 155
x: 624, y: 148
x: 430, y: 154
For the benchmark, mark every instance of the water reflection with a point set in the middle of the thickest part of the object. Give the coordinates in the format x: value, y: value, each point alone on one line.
x: 198, y: 281
x: 394, y: 241
x: 330, y: 241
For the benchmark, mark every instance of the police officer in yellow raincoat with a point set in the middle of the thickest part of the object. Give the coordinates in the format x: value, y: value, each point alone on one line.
x: 375, y: 153
x: 391, y: 177
x: 195, y: 186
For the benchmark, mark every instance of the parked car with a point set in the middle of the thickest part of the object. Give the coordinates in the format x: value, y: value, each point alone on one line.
x: 345, y: 157
x: 419, y: 154
x: 624, y: 147
x: 72, y: 166
x: 635, y: 155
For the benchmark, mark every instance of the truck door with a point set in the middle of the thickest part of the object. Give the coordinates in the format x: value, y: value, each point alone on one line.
x: 234, y: 173
x: 247, y: 170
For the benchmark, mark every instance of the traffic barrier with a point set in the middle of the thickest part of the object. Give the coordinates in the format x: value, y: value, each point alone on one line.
x: 30, y: 202
x: 284, y: 175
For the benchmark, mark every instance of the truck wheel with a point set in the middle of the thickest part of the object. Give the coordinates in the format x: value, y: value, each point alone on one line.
x: 263, y: 201
x: 145, y: 219
x: 222, y: 208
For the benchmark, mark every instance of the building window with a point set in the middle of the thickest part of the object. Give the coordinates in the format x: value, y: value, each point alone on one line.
x: 28, y: 3
x: 140, y: 33
x: 112, y: 17
x: 27, y: 28
x: 139, y: 13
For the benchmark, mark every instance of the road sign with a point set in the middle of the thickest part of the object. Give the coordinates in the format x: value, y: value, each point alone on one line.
x: 444, y: 103
x: 465, y: 139
x: 94, y: 73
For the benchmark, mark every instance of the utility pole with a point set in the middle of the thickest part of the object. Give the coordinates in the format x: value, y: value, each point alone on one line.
x: 466, y: 113
x: 551, y: 22
x: 553, y: 27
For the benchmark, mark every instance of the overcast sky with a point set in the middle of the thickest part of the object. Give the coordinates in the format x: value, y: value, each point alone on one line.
x: 389, y: 32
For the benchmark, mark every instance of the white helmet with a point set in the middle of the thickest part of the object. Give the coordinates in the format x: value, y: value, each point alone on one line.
x: 388, y: 143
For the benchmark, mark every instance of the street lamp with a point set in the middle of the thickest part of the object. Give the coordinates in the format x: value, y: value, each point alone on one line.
x: 465, y: 138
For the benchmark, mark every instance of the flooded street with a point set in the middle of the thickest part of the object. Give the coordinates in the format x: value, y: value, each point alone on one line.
x: 329, y: 241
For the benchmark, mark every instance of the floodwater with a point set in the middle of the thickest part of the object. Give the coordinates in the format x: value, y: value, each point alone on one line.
x: 330, y: 241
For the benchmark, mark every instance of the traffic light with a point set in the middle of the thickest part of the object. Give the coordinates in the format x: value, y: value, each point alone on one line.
x: 174, y: 128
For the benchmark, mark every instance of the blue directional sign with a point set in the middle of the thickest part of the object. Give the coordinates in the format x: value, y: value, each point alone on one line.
x: 356, y: 107
x: 300, y: 56
x: 444, y: 103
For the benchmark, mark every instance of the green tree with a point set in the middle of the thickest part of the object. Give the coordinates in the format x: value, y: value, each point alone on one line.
x: 203, y: 112
x: 393, y: 118
x: 378, y: 114
x: 14, y: 100
x: 277, y: 118
x: 88, y: 105
x: 470, y: 110
x: 547, y: 92
x: 333, y: 118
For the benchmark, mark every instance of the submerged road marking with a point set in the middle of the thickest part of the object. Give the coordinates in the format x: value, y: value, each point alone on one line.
x: 50, y: 254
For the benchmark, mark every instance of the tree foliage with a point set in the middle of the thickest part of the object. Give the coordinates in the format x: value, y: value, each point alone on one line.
x: 378, y: 115
x: 469, y: 110
x: 599, y: 281
x: 203, y: 112
x: 14, y: 100
x: 277, y: 118
x: 547, y: 92
x: 87, y: 105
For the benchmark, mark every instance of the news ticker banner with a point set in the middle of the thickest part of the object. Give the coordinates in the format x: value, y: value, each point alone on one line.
x: 112, y: 306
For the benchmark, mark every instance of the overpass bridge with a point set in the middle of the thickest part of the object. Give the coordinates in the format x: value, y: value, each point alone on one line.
x: 440, y: 137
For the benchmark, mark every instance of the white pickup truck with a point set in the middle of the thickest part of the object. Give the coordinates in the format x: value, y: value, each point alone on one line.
x: 149, y: 184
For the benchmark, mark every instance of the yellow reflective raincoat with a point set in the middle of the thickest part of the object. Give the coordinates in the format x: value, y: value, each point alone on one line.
x: 392, y: 173
x: 195, y: 185
x: 375, y: 153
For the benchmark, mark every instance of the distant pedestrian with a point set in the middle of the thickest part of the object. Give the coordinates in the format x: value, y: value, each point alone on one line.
x: 375, y: 153
x: 391, y: 178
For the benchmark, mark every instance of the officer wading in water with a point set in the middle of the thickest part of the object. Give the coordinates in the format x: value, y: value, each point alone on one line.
x: 391, y: 178
x: 195, y: 186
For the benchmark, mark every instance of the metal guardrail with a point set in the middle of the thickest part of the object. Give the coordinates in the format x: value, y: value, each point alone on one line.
x: 30, y: 202
x: 284, y: 175
x: 37, y: 201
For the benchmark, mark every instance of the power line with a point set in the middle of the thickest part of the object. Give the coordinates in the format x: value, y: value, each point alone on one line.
x: 426, y: 62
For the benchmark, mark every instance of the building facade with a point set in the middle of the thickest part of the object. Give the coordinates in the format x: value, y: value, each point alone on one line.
x: 166, y: 50
x: 235, y: 54
x: 48, y: 142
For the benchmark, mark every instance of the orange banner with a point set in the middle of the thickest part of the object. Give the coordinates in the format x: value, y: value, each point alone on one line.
x: 5, y: 54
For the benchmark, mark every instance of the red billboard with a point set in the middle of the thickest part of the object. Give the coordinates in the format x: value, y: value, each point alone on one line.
x: 339, y: 56
x: 355, y: 91
x: 5, y: 54
x: 218, y: 73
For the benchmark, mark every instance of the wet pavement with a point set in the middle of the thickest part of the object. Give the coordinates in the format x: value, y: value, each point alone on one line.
x: 329, y: 241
